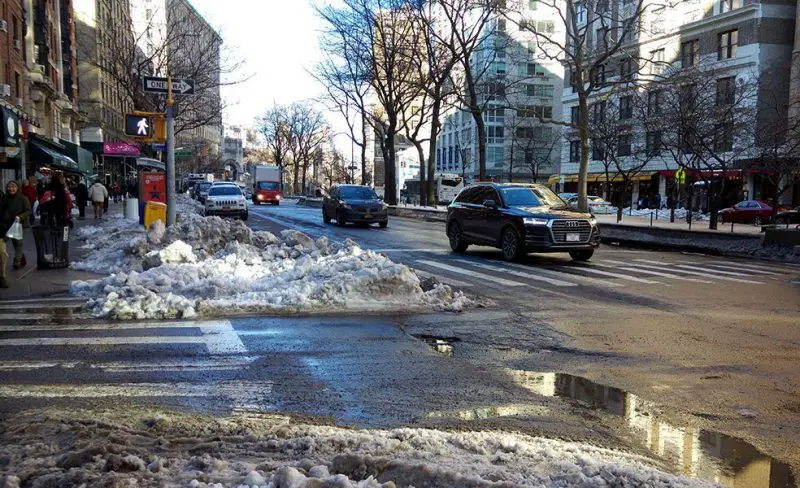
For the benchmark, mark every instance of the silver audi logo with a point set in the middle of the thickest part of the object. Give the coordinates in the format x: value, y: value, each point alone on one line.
x: 572, y: 223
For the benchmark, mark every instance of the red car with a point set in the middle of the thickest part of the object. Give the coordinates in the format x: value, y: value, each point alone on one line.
x: 747, y: 212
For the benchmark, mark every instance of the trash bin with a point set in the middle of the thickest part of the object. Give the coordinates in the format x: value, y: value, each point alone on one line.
x: 52, y: 246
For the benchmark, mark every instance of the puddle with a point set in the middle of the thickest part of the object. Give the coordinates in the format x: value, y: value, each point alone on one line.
x: 442, y: 345
x: 692, y: 451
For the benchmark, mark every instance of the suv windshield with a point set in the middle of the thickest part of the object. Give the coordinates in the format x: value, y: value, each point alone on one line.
x: 268, y: 185
x: 530, y: 196
x: 204, y: 186
x: 224, y: 190
x: 357, y: 193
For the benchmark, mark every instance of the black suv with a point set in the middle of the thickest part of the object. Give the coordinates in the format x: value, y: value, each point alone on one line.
x: 354, y: 203
x: 518, y: 219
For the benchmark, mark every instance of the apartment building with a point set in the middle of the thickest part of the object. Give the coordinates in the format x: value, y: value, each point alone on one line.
x: 174, y: 35
x: 12, y: 87
x: 520, y: 84
x: 734, y: 43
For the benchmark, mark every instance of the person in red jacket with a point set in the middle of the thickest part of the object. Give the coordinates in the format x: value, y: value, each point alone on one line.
x: 30, y: 192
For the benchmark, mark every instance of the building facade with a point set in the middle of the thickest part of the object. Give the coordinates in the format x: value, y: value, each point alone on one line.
x: 727, y: 46
x: 520, y: 86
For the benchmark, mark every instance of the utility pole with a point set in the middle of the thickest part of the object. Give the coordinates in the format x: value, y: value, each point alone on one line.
x: 171, y: 210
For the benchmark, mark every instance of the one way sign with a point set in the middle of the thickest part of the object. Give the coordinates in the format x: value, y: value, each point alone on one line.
x: 154, y: 84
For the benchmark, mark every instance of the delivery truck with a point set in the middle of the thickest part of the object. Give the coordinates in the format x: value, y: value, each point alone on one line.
x: 267, y: 185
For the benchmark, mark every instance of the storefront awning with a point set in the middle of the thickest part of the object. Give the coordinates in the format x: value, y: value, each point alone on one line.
x: 84, y: 158
x: 45, y: 154
x: 150, y: 163
x: 553, y: 179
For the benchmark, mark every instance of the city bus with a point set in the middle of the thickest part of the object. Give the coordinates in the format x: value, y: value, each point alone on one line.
x: 447, y: 187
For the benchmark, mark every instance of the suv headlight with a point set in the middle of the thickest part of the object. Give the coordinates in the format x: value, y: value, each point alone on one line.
x: 593, y: 221
x: 535, y: 221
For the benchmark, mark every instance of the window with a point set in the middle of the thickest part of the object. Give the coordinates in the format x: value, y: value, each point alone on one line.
x: 500, y: 67
x: 17, y: 86
x: 545, y: 91
x: 624, y: 145
x: 531, y: 47
x: 495, y: 90
x: 598, y: 151
x: 725, y: 6
x: 657, y: 60
x: 687, y: 97
x: 599, y: 112
x: 494, y: 134
x: 495, y: 115
x: 600, y: 75
x: 573, y: 81
x: 494, y: 155
x: 542, y: 133
x: 545, y: 26
x: 523, y: 25
x: 658, y: 22
x: 630, y: 29
x: 626, y: 69
x: 653, y: 102
x: 728, y: 42
x: 533, y: 4
x: 574, y: 151
x: 726, y: 91
x: 580, y: 13
x: 690, y: 53
x: 501, y: 25
x: 527, y: 69
x: 525, y: 132
x: 625, y: 108
x: 575, y: 115
x: 723, y: 137
x: 653, y: 143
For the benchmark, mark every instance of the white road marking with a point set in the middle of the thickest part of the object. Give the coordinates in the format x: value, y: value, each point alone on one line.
x: 41, y: 306
x: 744, y: 267
x: 27, y: 316
x: 711, y: 270
x: 443, y: 279
x: 221, y: 363
x: 531, y: 275
x: 616, y: 275
x: 436, y: 251
x: 474, y: 274
x: 560, y: 274
x: 698, y: 273
x: 38, y: 301
x: 243, y: 394
x: 624, y: 267
x: 218, y: 336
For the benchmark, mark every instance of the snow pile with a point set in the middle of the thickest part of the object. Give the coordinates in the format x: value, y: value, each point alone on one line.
x: 179, y: 450
x: 663, y: 214
x: 209, y: 266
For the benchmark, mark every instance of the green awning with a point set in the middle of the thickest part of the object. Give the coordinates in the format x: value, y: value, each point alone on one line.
x: 84, y: 158
x: 46, y: 155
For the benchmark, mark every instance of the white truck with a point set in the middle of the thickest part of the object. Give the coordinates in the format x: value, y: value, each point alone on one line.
x: 266, y: 184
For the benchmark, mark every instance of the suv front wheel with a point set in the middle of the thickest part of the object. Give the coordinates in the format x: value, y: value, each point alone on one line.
x: 512, y: 245
x: 457, y: 243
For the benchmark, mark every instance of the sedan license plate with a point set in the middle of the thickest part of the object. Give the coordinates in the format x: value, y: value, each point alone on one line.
x: 573, y: 237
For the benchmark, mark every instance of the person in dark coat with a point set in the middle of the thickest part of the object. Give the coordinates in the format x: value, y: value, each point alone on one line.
x: 16, y: 208
x: 81, y: 199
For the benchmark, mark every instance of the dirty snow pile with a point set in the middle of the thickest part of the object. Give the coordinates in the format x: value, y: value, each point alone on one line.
x: 55, y: 449
x: 207, y: 266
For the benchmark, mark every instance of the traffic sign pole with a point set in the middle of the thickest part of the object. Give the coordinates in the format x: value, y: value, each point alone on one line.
x: 171, y: 205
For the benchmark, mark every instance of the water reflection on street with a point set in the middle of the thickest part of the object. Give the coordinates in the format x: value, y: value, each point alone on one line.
x: 692, y: 451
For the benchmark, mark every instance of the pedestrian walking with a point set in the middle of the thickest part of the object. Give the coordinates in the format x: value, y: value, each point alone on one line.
x: 116, y: 191
x: 3, y: 249
x: 98, y: 195
x: 30, y: 192
x: 81, y: 198
x: 16, y: 209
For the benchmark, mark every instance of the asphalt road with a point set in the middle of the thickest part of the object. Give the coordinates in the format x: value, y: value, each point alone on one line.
x: 661, y: 353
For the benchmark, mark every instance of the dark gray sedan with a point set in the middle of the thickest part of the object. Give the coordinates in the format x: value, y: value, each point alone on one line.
x: 354, y: 203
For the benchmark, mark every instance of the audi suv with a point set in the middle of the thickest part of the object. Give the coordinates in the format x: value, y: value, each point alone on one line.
x: 518, y: 219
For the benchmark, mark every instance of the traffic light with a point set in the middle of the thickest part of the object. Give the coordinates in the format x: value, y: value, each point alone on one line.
x: 139, y: 125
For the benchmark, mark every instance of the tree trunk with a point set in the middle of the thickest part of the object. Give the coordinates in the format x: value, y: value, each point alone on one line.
x: 423, y: 184
x: 713, y: 207
x: 296, y: 174
x: 305, y: 170
x: 435, y: 128
x: 511, y: 163
x: 583, y: 170
x: 364, y: 177
x: 477, y: 115
x: 390, y: 171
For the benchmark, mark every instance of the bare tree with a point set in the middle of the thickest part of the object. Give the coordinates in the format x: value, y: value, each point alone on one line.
x: 707, y: 115
x: 276, y: 127
x: 309, y: 131
x: 590, y: 38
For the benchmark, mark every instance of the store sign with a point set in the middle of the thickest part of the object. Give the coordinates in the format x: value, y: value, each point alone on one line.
x: 121, y: 148
x: 11, y: 132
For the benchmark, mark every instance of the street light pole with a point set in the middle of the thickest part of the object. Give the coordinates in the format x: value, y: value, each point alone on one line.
x: 171, y: 210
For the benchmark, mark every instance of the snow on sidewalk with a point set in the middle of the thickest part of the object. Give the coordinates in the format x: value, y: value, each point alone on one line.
x: 127, y: 449
x: 208, y: 266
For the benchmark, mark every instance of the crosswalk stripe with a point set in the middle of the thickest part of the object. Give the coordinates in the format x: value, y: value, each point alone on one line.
x: 582, y: 280
x: 221, y: 363
x: 698, y: 273
x: 744, y: 268
x: 443, y: 279
x: 530, y: 275
x: 624, y: 267
x: 616, y: 275
x: 40, y: 300
x: 467, y: 272
x: 41, y: 306
x: 711, y: 270
x: 25, y: 316
x: 209, y: 325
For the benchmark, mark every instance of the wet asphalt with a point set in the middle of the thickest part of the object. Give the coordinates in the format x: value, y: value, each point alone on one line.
x: 699, y: 349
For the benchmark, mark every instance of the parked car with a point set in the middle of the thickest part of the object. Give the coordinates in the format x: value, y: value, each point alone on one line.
x: 597, y: 205
x: 226, y: 200
x: 354, y: 203
x: 201, y: 191
x: 788, y: 217
x: 518, y: 219
x: 746, y: 212
x: 567, y: 196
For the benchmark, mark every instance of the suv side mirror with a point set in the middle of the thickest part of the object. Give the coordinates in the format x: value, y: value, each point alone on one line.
x: 490, y: 203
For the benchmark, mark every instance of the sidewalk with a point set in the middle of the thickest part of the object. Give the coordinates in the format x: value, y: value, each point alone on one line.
x: 679, y: 224
x: 31, y: 282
